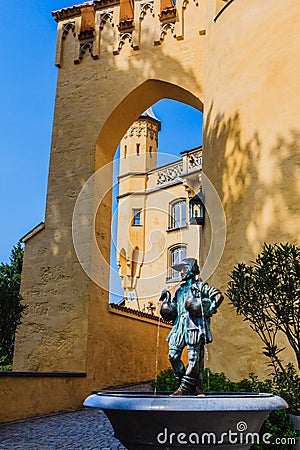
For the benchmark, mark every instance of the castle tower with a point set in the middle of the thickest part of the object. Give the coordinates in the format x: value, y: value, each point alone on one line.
x: 139, y: 145
x: 138, y: 154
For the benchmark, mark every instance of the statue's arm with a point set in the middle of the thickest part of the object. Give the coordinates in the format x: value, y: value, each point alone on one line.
x: 165, y: 296
x: 168, y: 309
x: 214, y: 295
x: 219, y: 299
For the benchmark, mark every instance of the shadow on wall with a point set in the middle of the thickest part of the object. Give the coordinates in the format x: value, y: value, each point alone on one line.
x: 259, y: 188
x: 258, y: 185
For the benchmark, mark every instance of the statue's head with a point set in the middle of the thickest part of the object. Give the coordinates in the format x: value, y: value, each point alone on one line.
x: 188, y: 268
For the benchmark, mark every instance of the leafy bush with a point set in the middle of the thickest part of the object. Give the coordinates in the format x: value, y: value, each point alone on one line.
x: 267, y: 294
x: 281, y: 388
x: 11, y: 308
x: 278, y: 425
x: 165, y: 381
x: 218, y: 382
x: 213, y: 382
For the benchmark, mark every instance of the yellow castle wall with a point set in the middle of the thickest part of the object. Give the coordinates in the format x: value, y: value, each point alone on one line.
x: 251, y: 138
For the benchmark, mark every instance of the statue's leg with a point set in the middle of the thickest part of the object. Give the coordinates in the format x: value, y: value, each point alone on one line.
x: 201, y: 368
x: 192, y: 381
x: 190, y: 378
x: 175, y: 359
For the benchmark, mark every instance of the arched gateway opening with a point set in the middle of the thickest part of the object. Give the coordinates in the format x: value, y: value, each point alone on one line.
x: 128, y: 341
x: 106, y: 80
x: 110, y: 136
x: 157, y: 157
x: 131, y: 107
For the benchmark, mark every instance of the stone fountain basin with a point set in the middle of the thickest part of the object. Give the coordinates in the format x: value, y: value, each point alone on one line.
x: 214, y: 420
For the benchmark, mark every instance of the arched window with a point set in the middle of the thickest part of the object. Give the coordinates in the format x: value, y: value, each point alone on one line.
x: 178, y: 214
x: 176, y: 254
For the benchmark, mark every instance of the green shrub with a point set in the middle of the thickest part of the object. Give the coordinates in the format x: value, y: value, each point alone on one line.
x: 213, y: 382
x: 218, y: 382
x: 267, y: 294
x: 165, y: 381
x: 278, y: 425
x: 11, y: 308
x: 7, y: 368
x: 281, y: 388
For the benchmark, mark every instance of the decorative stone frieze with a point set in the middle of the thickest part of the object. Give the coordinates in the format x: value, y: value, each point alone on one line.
x: 102, y: 4
x: 66, y: 13
x: 122, y: 39
x: 142, y: 129
x: 147, y: 6
x: 106, y: 16
x: 195, y: 160
x: 69, y: 26
x: 165, y: 28
x: 152, y: 131
x: 88, y: 20
x: 84, y: 48
x: 191, y: 162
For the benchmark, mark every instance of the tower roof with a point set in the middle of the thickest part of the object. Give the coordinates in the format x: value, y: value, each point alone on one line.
x: 149, y: 114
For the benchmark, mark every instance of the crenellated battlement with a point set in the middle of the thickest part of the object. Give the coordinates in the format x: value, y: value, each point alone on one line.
x: 87, y: 23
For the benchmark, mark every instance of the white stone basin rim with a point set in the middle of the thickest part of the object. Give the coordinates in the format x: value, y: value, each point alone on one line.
x: 132, y: 401
x: 143, y: 421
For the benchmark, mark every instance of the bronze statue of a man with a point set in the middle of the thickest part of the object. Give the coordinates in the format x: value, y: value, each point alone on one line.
x: 190, y: 311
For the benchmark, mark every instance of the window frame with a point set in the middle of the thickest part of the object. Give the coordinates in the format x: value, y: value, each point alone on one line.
x: 174, y: 275
x: 134, y: 212
x: 183, y: 218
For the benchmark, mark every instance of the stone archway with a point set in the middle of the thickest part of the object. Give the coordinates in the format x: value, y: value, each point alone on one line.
x: 102, y: 335
x: 133, y: 105
x: 91, y: 333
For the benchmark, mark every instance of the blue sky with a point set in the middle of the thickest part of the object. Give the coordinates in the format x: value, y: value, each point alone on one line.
x: 27, y: 84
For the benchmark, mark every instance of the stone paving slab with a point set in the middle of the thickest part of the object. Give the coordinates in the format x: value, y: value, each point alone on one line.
x: 82, y: 429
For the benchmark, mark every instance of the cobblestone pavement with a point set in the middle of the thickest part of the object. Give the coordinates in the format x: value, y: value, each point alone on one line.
x: 84, y: 429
